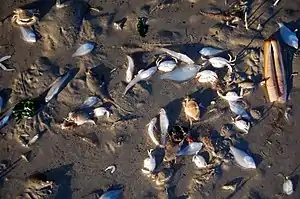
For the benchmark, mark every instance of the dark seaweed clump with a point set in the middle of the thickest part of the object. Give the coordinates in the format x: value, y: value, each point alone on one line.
x: 142, y: 26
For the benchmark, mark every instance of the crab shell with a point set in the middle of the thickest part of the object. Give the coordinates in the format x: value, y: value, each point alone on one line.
x: 80, y: 118
x: 242, y: 125
x: 166, y: 65
x: 24, y: 17
x: 191, y: 109
x: 207, y: 76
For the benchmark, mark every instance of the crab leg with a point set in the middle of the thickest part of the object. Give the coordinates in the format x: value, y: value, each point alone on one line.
x: 4, y: 67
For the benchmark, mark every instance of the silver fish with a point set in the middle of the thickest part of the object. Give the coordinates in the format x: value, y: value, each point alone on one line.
x: 183, y: 73
x: 56, y: 87
x: 142, y: 75
x: 151, y: 130
x: 84, y: 49
x: 237, y: 108
x: 289, y: 37
x: 28, y: 34
x: 6, y: 117
x: 210, y: 51
x: 180, y: 56
x: 164, y: 125
x: 112, y: 194
x: 242, y: 158
x: 89, y: 102
x: 130, y: 69
x: 191, y: 149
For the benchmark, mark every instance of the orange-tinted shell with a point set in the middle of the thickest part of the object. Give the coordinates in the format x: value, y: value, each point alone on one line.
x: 191, y: 109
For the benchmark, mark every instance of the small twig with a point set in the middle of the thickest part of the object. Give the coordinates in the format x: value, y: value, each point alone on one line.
x: 276, y: 2
x: 4, y: 67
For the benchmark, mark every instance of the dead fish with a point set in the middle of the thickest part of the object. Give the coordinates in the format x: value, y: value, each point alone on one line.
x: 89, y: 102
x: 142, y: 75
x: 151, y: 131
x: 28, y: 34
x: 130, y: 69
x: 289, y: 37
x: 242, y: 158
x: 84, y: 49
x: 164, y: 125
x: 191, y: 149
x: 288, y: 187
x: 6, y: 117
x: 56, y: 86
x: 210, y: 51
x: 112, y: 194
x: 240, y: 110
x: 180, y: 56
x: 183, y: 73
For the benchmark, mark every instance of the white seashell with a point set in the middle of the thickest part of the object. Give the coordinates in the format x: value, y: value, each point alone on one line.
x: 167, y: 66
x: 210, y: 51
x: 230, y: 96
x: 101, y: 111
x: 84, y: 49
x: 199, y: 161
x: 207, y: 76
x: 289, y: 37
x: 287, y: 187
x: 190, y: 149
x: 142, y: 75
x: 242, y: 125
x: 220, y: 62
x: 164, y: 125
x: 130, y: 69
x: 180, y: 56
x: 183, y: 73
x: 56, y: 86
x: 151, y: 131
x: 149, y: 163
x: 27, y: 34
x: 242, y: 158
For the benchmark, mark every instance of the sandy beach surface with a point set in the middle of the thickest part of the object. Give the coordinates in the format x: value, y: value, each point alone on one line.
x: 75, y: 159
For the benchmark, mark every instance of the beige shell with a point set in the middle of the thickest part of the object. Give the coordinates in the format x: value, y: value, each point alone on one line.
x: 191, y: 109
x: 24, y: 17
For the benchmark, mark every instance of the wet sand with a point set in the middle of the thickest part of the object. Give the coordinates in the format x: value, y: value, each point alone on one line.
x: 78, y: 167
